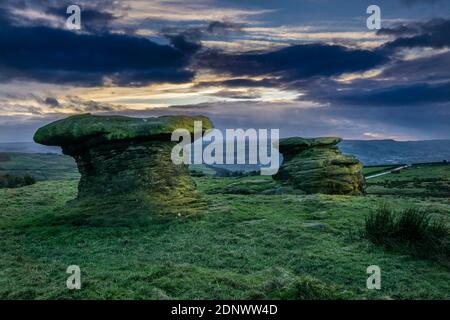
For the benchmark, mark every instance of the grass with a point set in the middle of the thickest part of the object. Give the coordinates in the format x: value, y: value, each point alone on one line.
x: 259, y: 246
x: 411, y: 228
x: 15, y: 181
x: 416, y: 181
x: 377, y: 169
x: 41, y: 166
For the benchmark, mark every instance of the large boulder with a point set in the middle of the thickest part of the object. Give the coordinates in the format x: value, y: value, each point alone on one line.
x: 318, y: 166
x: 119, y: 156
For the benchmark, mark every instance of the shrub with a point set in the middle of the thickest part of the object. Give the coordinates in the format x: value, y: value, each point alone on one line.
x: 4, y: 157
x: 14, y: 181
x: 29, y: 180
x: 411, y: 228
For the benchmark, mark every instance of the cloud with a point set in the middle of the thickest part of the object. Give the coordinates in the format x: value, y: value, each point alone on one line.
x: 98, y: 15
x: 50, y: 55
x: 71, y: 104
x: 240, y: 83
x: 237, y: 94
x: 293, y: 62
x: 433, y: 34
x: 52, y: 102
x: 93, y: 19
x: 188, y: 39
x: 423, y: 69
x: 78, y: 105
x: 223, y: 27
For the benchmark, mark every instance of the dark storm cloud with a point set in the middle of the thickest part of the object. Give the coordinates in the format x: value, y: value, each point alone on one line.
x: 434, y: 33
x: 189, y: 39
x: 184, y: 44
x: 420, y: 70
x: 97, y: 16
x: 93, y: 20
x: 400, y: 30
x: 419, y: 81
x: 59, y: 56
x: 293, y: 62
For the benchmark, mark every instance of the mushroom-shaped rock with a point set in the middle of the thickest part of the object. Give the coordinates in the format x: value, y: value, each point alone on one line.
x: 317, y: 166
x: 119, y: 155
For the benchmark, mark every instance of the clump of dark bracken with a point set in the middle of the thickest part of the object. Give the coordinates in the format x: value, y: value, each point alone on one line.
x: 15, y: 181
x: 415, y: 230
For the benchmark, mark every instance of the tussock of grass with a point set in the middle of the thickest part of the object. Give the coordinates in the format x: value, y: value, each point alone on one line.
x: 285, y: 286
x: 414, y: 228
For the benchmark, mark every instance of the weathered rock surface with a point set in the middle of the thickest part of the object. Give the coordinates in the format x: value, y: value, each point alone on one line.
x: 317, y: 166
x: 119, y: 155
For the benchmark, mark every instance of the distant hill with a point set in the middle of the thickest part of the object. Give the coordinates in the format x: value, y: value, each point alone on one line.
x: 27, y: 147
x: 374, y: 152
x: 370, y: 152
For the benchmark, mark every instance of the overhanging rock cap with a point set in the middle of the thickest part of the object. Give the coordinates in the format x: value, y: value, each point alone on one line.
x: 80, y: 128
x: 297, y: 144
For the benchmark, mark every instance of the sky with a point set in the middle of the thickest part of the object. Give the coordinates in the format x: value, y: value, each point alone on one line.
x: 307, y: 67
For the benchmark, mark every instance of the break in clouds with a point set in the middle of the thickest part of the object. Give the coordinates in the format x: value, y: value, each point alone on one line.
x: 256, y: 65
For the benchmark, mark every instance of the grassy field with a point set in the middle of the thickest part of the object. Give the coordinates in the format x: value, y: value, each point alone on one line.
x: 376, y: 169
x: 257, y: 240
x: 42, y: 166
x: 417, y: 181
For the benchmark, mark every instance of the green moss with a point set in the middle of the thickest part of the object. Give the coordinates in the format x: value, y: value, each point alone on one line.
x: 86, y: 126
x: 296, y: 144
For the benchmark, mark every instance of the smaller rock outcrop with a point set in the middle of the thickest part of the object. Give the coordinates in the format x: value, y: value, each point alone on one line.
x: 318, y: 166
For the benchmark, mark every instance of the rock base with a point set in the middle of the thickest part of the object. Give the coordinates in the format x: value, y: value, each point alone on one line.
x: 142, y: 169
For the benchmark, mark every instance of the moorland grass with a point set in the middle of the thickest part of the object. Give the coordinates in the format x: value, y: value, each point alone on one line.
x: 259, y: 246
x: 421, y: 181
x: 409, y: 228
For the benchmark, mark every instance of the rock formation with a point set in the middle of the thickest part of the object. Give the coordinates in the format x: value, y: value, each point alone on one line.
x: 318, y: 166
x: 119, y: 156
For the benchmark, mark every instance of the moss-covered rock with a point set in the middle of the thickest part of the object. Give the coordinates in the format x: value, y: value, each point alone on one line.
x: 123, y: 156
x: 317, y: 166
